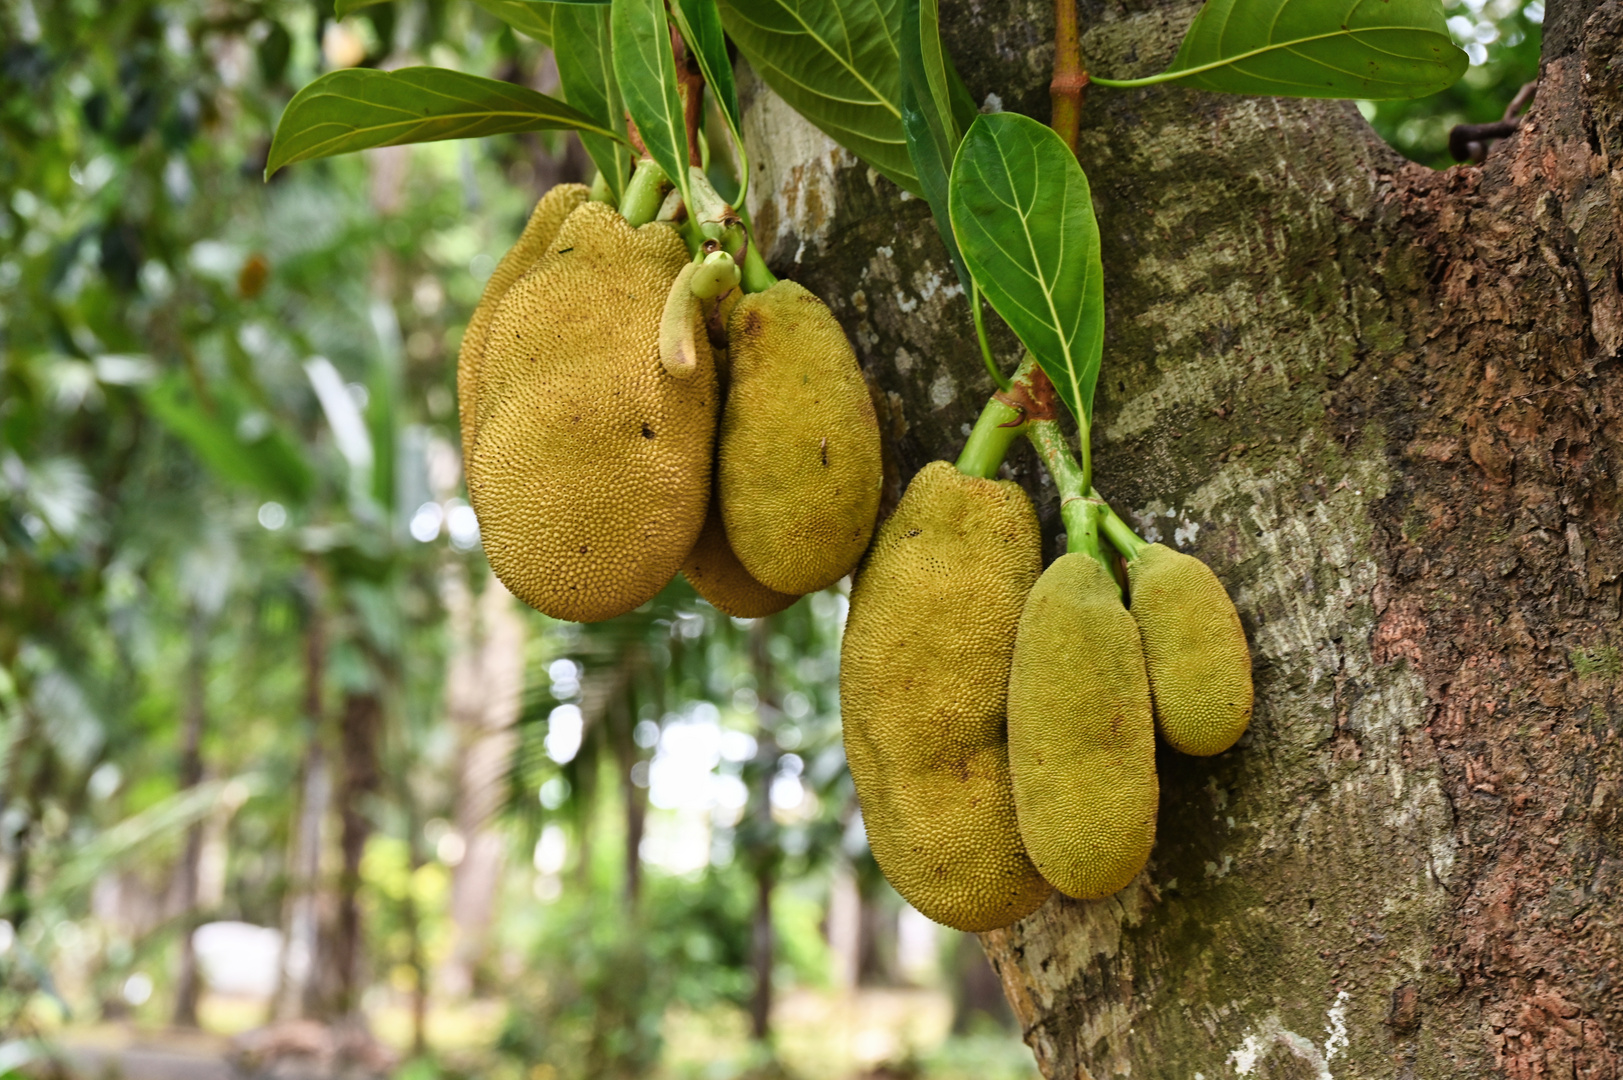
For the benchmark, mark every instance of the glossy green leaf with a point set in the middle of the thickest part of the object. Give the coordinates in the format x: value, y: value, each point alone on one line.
x: 345, y: 111
x: 700, y: 24
x: 929, y: 119
x: 1374, y: 49
x: 836, y: 62
x: 1024, y: 220
x: 586, y: 71
x: 531, y: 20
x: 646, y: 70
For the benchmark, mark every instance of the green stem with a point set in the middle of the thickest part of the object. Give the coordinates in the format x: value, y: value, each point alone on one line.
x: 600, y: 189
x: 980, y: 336
x: 644, y: 194
x: 757, y: 278
x: 1120, y: 535
x: 994, y: 432
x: 989, y: 440
x: 1079, y: 507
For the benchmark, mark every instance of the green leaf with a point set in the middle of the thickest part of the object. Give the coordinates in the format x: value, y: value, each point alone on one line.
x: 1373, y: 49
x: 344, y: 7
x: 836, y: 62
x: 530, y: 19
x: 646, y: 70
x: 586, y: 70
x: 357, y: 108
x: 928, y: 121
x: 1024, y: 219
x: 700, y: 24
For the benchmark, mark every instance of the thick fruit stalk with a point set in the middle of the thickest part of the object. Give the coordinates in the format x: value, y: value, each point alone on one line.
x: 799, y: 462
x: 1081, y: 737
x: 1194, y: 648
x: 590, y: 465
x: 923, y: 682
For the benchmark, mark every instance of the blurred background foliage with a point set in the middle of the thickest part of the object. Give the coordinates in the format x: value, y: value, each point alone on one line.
x: 277, y: 759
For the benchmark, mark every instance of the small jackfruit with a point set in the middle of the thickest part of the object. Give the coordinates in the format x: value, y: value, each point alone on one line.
x: 543, y: 225
x: 590, y: 471
x: 716, y: 574
x: 1081, y: 737
x: 798, y: 464
x: 924, y: 673
x: 1194, y: 648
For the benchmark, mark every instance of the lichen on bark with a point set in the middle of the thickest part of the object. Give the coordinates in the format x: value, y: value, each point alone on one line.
x: 1383, y: 403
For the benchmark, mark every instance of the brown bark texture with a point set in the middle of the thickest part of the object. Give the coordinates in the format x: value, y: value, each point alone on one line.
x: 1383, y: 404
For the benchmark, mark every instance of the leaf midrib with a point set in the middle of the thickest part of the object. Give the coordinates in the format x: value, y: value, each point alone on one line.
x: 1229, y: 61
x: 794, y: 14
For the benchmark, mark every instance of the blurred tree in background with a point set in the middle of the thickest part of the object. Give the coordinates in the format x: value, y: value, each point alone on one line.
x: 252, y: 666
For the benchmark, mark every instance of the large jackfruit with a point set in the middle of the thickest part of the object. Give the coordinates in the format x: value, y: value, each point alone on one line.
x: 590, y: 470
x: 798, y: 465
x: 1194, y: 649
x: 543, y: 225
x: 716, y: 574
x: 1081, y: 737
x: 924, y: 673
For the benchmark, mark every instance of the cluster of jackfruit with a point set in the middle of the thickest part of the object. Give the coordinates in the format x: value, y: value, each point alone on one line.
x: 1000, y: 719
x: 611, y: 440
x: 628, y: 414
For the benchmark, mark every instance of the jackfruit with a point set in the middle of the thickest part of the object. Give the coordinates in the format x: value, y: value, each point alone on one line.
x: 1081, y: 737
x: 924, y: 673
x: 1194, y: 649
x: 590, y: 472
x: 543, y: 225
x: 799, y: 466
x: 716, y: 574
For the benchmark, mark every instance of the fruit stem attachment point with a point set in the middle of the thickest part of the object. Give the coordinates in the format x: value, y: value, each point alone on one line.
x: 644, y: 194
x: 601, y: 192
x: 1079, y: 506
x: 1082, y: 516
x: 980, y: 336
x: 757, y: 278
x: 994, y: 432
x: 1003, y: 420
x: 1121, y: 537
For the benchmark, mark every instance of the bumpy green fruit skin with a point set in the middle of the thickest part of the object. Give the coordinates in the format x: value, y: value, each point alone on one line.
x: 799, y: 465
x: 716, y: 574
x: 1194, y: 649
x: 1081, y: 736
x: 591, y: 463
x: 923, y: 682
x: 548, y: 217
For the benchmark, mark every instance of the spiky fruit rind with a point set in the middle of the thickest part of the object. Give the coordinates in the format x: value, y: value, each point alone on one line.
x: 716, y: 574
x: 1194, y: 649
x: 1081, y: 736
x: 591, y: 468
x: 545, y: 221
x: 799, y: 463
x: 923, y: 679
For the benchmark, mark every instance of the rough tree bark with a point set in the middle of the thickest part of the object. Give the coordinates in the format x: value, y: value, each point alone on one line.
x: 1383, y: 404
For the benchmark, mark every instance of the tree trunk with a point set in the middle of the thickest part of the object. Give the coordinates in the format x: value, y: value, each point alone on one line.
x: 758, y: 834
x: 298, y: 966
x: 1382, y: 403
x: 360, y: 740
x: 187, y: 988
x: 484, y: 688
